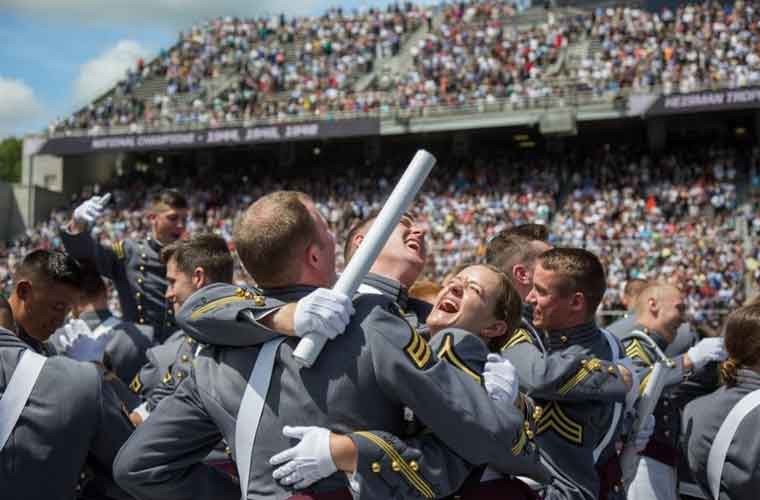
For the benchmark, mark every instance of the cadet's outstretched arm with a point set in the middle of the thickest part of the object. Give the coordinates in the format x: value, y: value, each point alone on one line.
x: 163, y: 458
x: 565, y: 376
x: 108, y: 260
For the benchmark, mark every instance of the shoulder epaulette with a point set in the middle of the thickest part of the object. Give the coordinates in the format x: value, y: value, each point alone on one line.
x: 448, y: 353
x: 521, y: 335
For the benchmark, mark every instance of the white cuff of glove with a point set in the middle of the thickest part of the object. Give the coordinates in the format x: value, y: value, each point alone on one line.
x: 324, y: 311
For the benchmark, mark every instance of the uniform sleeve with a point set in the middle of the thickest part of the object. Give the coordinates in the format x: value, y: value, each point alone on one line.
x: 149, y: 376
x: 163, y: 458
x: 114, y: 426
x: 420, y: 467
x: 449, y: 401
x: 127, y: 351
x: 566, y: 375
x: 108, y: 260
x: 643, y: 361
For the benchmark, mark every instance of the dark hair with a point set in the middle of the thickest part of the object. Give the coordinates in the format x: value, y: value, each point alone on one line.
x: 534, y: 232
x: 167, y: 199
x: 508, y: 308
x: 49, y: 266
x: 742, y: 339
x: 6, y: 314
x: 207, y: 251
x: 579, y: 271
x: 272, y: 234
x: 92, y: 283
x: 507, y: 249
x: 348, y: 246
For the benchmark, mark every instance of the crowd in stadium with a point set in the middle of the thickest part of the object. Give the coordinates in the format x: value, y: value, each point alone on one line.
x: 673, y: 216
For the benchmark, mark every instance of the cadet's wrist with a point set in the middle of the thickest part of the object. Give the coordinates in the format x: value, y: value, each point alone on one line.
x: 345, y: 454
x: 688, y: 364
x: 75, y: 227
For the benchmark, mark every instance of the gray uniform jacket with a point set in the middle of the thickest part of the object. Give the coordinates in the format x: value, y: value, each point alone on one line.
x: 576, y: 385
x: 701, y: 420
x: 135, y: 268
x: 362, y: 380
x: 125, y: 352
x: 167, y: 365
x: 70, y: 414
x: 444, y: 471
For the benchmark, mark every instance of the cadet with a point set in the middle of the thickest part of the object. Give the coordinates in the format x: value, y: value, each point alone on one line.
x: 659, y: 312
x: 720, y: 429
x: 474, y: 312
x: 134, y: 266
x: 190, y: 265
x: 633, y: 287
x: 66, y: 412
x: 124, y: 351
x: 515, y: 251
x: 362, y: 380
x: 577, y: 436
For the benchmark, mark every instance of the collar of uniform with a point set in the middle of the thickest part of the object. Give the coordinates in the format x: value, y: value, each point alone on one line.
x: 748, y: 378
x: 581, y: 334
x: 658, y: 339
x: 388, y: 287
x: 154, y: 244
x: 288, y: 293
x: 34, y: 344
x: 10, y: 337
x: 94, y: 318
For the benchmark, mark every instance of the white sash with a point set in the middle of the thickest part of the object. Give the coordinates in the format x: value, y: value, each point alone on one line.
x: 17, y: 392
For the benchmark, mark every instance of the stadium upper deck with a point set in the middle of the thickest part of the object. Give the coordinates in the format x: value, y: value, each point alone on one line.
x: 406, y: 59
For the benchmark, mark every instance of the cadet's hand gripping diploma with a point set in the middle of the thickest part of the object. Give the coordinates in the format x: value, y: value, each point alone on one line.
x: 398, y: 202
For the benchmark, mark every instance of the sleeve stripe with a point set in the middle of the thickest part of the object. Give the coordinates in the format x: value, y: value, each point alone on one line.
x: 412, y: 477
x: 447, y: 352
x: 586, y: 370
x: 418, y: 350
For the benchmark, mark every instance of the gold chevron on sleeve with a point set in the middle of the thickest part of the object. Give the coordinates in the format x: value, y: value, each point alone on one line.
x: 555, y: 419
x: 644, y: 382
x: 448, y: 353
x: 636, y: 350
x: 418, y: 350
x: 521, y: 441
x: 521, y: 335
x: 405, y: 469
x: 118, y: 249
x: 587, y: 368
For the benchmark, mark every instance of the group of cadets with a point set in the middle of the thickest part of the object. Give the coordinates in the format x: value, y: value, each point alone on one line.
x: 502, y: 387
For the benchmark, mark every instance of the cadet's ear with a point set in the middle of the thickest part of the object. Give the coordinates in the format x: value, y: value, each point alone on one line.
x: 496, y: 329
x: 520, y: 274
x: 199, y: 278
x: 652, y: 305
x: 578, y: 302
x: 358, y: 238
x: 24, y: 290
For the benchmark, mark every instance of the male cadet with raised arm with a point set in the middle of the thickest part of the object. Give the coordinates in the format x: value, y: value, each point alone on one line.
x: 362, y: 380
x: 134, y: 266
x: 191, y: 264
x: 659, y: 312
x: 70, y: 414
x: 124, y: 343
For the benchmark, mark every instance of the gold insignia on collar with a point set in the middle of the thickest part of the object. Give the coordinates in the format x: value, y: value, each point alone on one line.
x: 448, y: 353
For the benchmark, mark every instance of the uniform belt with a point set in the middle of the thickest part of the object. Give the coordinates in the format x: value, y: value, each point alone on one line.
x: 662, y: 453
x: 610, y: 477
x: 340, y: 494
x: 497, y: 489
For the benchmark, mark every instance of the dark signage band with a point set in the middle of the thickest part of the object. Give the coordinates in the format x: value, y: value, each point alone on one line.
x: 712, y: 100
x: 283, y: 132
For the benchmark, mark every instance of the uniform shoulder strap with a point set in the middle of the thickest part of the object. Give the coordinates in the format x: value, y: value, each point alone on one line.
x: 617, y: 410
x: 719, y: 449
x: 17, y: 392
x: 251, y: 406
x: 105, y: 327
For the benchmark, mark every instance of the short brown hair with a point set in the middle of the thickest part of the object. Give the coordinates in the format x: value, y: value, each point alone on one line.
x: 168, y: 199
x: 272, y: 233
x: 580, y: 271
x: 634, y: 287
x: 348, y: 246
x: 424, y: 290
x: 507, y: 249
x: 508, y: 308
x: 742, y: 338
x: 532, y: 231
x: 207, y: 251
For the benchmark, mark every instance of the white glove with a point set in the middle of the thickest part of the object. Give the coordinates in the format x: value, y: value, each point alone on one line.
x: 500, y: 378
x: 91, y: 210
x: 86, y: 348
x: 323, y: 311
x: 308, y: 461
x: 633, y: 393
x: 641, y: 439
x: 707, y: 350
